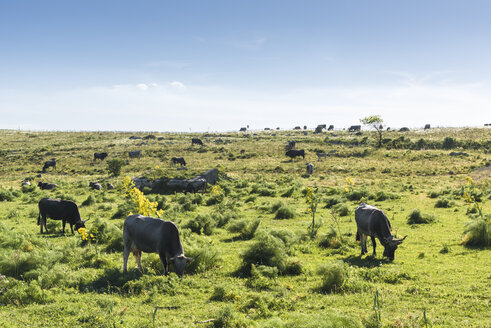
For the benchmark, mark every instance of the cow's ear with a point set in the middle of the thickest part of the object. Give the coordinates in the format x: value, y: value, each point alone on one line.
x: 190, y: 259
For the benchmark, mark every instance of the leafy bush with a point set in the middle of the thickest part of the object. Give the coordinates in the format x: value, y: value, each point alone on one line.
x: 477, y: 233
x: 356, y: 195
x: 228, y: 318
x: 205, y: 257
x: 384, y: 195
x: 262, y: 277
x: 89, y: 201
x: 434, y: 194
x: 245, y: 228
x: 289, y: 192
x: 342, y: 209
x: 332, y: 200
x: 20, y: 293
x: 107, y: 234
x: 449, y: 143
x: 415, y: 217
x: 333, y: 276
x: 330, y: 240
x: 285, y: 212
x: 115, y: 165
x: 266, y: 250
x: 6, y: 195
x: 444, y: 203
x: 202, y: 224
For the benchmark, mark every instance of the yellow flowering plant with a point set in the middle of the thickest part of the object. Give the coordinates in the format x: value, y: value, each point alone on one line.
x: 348, y: 186
x: 142, y: 204
x: 470, y: 193
x: 312, y: 202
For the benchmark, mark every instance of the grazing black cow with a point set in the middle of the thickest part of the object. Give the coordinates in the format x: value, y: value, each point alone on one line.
x: 178, y: 160
x: 196, y: 141
x: 57, y: 209
x: 331, y: 127
x: 310, y: 168
x: 47, y: 186
x: 243, y: 129
x: 151, y: 235
x: 134, y: 154
x: 370, y: 221
x: 427, y: 126
x: 294, y: 153
x: 101, y: 156
x: 321, y: 155
x: 290, y: 145
x: 404, y: 129
x: 47, y: 164
x: 196, y: 184
x: 95, y: 186
x: 354, y: 128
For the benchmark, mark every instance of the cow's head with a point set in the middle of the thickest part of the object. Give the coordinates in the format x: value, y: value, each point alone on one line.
x: 180, y: 263
x: 80, y: 224
x: 390, y: 246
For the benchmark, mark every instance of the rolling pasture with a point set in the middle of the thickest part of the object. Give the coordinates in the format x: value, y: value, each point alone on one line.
x: 260, y: 263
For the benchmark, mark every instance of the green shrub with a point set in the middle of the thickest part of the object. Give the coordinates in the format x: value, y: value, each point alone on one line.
x: 384, y: 195
x: 115, y: 165
x: 266, y: 250
x: 332, y: 200
x: 449, y: 143
x: 415, y: 217
x: 262, y: 277
x: 6, y: 195
x: 245, y: 228
x: 228, y: 318
x: 289, y: 192
x: 89, y: 201
x: 444, y: 203
x: 20, y: 293
x: 202, y: 224
x: 107, y: 234
x: 276, y: 206
x: 434, y: 194
x: 330, y: 240
x: 206, y: 257
x: 342, y: 209
x: 284, y: 212
x: 477, y: 233
x: 333, y: 276
x: 356, y: 195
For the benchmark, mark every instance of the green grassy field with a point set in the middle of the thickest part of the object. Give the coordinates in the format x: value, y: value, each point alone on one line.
x: 298, y: 279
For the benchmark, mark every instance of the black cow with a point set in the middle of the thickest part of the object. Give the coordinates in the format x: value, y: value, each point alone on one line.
x: 95, y: 186
x: 243, y: 129
x: 47, y: 186
x: 134, y: 154
x: 294, y: 153
x: 290, y: 145
x: 354, y: 128
x: 331, y: 127
x: 101, y: 156
x: 196, y: 141
x: 151, y: 235
x: 47, y: 164
x: 178, y: 160
x: 427, y: 126
x: 57, y: 209
x: 370, y: 221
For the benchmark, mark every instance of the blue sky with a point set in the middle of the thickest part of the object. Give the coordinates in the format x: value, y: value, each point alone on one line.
x: 220, y: 65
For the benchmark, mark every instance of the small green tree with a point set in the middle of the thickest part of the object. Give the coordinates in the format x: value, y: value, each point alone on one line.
x: 114, y: 166
x: 377, y: 123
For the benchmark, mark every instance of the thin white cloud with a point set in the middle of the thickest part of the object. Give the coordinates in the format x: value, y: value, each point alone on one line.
x: 165, y: 107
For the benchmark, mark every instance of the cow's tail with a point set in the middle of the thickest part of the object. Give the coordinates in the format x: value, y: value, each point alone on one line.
x: 39, y: 218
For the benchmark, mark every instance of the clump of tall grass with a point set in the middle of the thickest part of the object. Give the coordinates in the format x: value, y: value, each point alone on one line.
x: 477, y: 233
x: 323, y: 320
x: 107, y: 234
x: 416, y: 217
x: 245, y: 228
x: 267, y: 250
x: 6, y: 195
x: 330, y: 239
x: 333, y: 275
x: 444, y: 203
x: 284, y: 212
x: 202, y: 224
x: 332, y: 200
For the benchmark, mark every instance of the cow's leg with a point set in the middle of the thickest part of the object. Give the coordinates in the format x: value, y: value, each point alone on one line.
x: 43, y: 222
x: 126, y: 254
x: 63, y: 224
x: 138, y: 257
x: 374, y: 245
x: 163, y: 259
x: 71, y: 227
x: 42, y: 219
x: 363, y: 241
